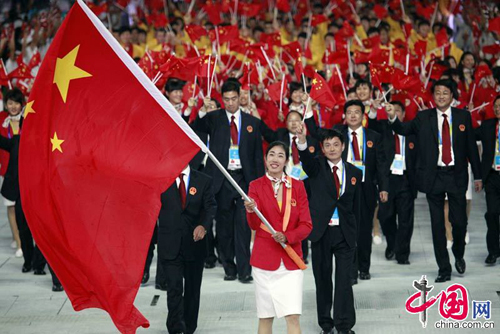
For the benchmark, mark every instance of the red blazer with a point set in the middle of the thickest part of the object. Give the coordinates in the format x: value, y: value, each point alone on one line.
x: 267, y: 253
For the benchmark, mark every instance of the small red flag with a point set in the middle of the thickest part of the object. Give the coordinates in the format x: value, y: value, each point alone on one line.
x: 321, y: 93
x: 225, y: 34
x: 442, y: 38
x: 195, y: 32
x: 283, y: 5
x: 86, y: 141
x: 494, y: 25
x: 318, y: 19
x: 420, y: 48
x: 380, y: 11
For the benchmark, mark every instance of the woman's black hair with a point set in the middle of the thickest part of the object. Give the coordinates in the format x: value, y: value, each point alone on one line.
x: 280, y: 144
x: 15, y: 95
x: 460, y: 67
x: 292, y: 87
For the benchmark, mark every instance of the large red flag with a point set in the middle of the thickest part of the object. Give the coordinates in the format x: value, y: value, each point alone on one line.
x: 100, y: 144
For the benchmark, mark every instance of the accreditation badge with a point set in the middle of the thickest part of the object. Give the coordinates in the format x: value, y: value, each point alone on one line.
x: 334, y: 221
x: 360, y: 166
x: 397, y: 167
x: 497, y: 161
x: 234, y: 157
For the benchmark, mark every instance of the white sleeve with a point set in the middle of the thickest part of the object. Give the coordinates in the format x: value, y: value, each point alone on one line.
x: 201, y: 114
x: 302, y: 147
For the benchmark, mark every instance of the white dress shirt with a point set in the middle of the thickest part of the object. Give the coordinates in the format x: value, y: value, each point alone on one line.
x: 185, y: 176
x: 340, y: 169
x: 237, y: 116
x: 440, y: 120
x: 359, y: 135
x: 402, y: 148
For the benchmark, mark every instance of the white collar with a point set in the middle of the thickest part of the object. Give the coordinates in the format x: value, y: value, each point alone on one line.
x: 358, y: 130
x: 447, y: 112
x: 186, y: 171
x: 236, y: 115
x: 291, y: 137
x: 338, y: 164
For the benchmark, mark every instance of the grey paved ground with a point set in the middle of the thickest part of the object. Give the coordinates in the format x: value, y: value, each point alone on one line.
x: 27, y: 304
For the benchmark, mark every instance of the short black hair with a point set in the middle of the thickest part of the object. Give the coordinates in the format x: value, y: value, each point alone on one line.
x: 302, y: 35
x: 294, y: 111
x: 350, y: 91
x: 448, y: 83
x: 230, y: 86
x: 280, y: 144
x: 362, y: 82
x: 174, y: 84
x: 15, y: 95
x: 354, y: 103
x: 326, y: 134
x: 398, y: 103
x: 496, y: 98
x: 423, y: 23
x: 123, y: 30
x: 373, y: 30
x: 294, y: 85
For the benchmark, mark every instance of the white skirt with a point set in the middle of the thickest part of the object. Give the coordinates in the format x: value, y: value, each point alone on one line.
x: 278, y: 293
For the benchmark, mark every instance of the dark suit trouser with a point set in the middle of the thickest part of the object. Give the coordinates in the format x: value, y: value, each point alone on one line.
x: 492, y: 190
x: 33, y: 258
x: 333, y: 243
x: 233, y: 232
x: 401, y: 205
x: 211, y: 245
x: 445, y: 184
x: 160, y: 274
x: 362, y: 257
x: 183, y: 282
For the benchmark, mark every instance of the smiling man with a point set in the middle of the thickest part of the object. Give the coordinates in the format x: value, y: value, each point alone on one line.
x: 446, y: 145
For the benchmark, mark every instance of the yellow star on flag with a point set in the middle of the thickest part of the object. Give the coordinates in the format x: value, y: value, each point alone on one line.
x: 314, y: 81
x: 56, y: 143
x: 29, y: 108
x: 67, y: 71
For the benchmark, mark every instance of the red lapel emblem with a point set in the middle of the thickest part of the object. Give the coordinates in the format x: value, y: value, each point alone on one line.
x: 192, y: 191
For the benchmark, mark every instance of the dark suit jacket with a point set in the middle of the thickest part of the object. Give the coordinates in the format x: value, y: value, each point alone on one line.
x: 487, y: 134
x: 176, y: 225
x: 385, y: 130
x: 376, y: 172
x: 10, y: 186
x: 196, y: 162
x: 425, y: 127
x: 324, y: 200
x: 216, y: 124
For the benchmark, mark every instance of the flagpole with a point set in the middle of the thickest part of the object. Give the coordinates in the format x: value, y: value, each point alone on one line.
x: 287, y: 248
x: 194, y: 86
x: 472, y: 95
x: 208, y: 74
x: 341, y: 80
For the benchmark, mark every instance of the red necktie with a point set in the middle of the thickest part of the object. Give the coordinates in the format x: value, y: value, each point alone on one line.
x: 234, y: 131
x: 295, y: 151
x: 398, y: 145
x: 446, y: 141
x: 182, y: 190
x: 336, y: 178
x: 355, y: 146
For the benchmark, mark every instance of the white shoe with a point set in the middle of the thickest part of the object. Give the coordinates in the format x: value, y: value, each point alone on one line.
x: 467, y: 238
x: 449, y: 243
x: 13, y: 244
x: 377, y: 240
x: 19, y: 253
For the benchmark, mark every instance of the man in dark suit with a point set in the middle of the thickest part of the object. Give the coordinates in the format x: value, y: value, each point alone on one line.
x: 335, y: 211
x: 401, y: 154
x: 289, y: 136
x: 188, y: 208
x: 235, y: 140
x: 364, y: 148
x: 446, y: 144
x: 488, y: 133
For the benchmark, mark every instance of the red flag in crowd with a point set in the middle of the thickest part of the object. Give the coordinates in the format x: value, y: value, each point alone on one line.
x: 35, y: 60
x: 481, y: 72
x: 318, y: 19
x: 380, y: 11
x: 274, y: 91
x: 22, y: 71
x: 225, y: 34
x: 494, y: 25
x: 4, y: 78
x: 87, y: 144
x: 249, y: 9
x: 213, y: 11
x: 420, y: 48
x: 283, y: 5
x: 425, y: 12
x: 321, y: 93
x: 195, y: 32
x: 442, y: 38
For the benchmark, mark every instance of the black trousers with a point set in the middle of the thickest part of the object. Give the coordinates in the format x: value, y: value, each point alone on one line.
x: 160, y: 273
x: 33, y: 258
x: 183, y: 282
x: 233, y: 232
x: 445, y: 185
x: 401, y: 204
x: 362, y: 257
x: 333, y: 243
x: 492, y: 190
x: 211, y: 246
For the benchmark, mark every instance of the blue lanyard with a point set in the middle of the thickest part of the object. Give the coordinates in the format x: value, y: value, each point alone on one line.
x: 364, y: 146
x: 187, y: 183
x: 342, y: 185
x: 239, y: 130
x: 451, y: 131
